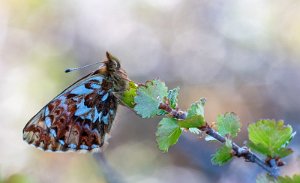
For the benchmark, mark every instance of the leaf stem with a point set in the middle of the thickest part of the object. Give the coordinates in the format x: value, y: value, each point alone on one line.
x: 244, y: 151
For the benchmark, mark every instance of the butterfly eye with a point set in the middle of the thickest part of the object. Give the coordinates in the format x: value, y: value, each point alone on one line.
x: 117, y: 64
x: 113, y: 65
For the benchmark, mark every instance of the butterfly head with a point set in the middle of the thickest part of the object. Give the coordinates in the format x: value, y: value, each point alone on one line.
x: 112, y: 68
x: 112, y: 63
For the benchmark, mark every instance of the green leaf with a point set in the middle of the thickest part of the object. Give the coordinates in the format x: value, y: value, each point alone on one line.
x: 149, y: 97
x: 173, y: 97
x: 192, y: 122
x: 228, y: 124
x: 129, y: 94
x: 283, y: 152
x: 197, y: 108
x: 168, y: 133
x: 195, y: 117
x: 286, y: 179
x: 270, y: 138
x: 222, y: 156
x: 259, y: 148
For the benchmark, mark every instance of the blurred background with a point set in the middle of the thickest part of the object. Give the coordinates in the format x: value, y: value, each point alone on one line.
x: 242, y: 56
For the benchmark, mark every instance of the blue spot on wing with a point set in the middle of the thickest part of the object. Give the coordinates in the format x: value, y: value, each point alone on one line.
x: 104, y: 97
x: 48, y: 121
x: 53, y: 133
x: 72, y: 146
x: 84, y: 147
x: 46, y: 111
x: 95, y: 146
x: 95, y: 86
x: 61, y: 142
x: 105, y: 119
x: 82, y: 109
x: 100, y: 116
x: 111, y: 111
x: 100, y: 92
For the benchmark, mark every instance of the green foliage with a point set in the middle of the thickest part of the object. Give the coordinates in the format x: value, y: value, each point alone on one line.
x: 270, y: 138
x: 168, y: 133
x: 192, y: 122
x: 149, y: 97
x: 228, y: 124
x: 222, y: 156
x: 286, y: 179
x: 129, y: 94
x: 267, y: 137
x: 197, y: 108
x: 147, y: 101
x: 283, y: 152
x: 169, y: 130
x: 173, y: 97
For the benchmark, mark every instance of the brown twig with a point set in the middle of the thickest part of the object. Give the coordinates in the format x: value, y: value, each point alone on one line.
x: 271, y: 168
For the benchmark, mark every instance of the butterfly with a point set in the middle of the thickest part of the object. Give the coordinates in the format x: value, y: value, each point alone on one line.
x: 80, y: 118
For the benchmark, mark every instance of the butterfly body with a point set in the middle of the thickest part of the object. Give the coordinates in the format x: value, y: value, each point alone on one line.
x: 81, y: 117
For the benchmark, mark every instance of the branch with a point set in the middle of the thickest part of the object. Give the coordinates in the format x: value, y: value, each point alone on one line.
x: 271, y: 168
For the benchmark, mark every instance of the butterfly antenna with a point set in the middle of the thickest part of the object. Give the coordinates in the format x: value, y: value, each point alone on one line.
x: 79, y: 68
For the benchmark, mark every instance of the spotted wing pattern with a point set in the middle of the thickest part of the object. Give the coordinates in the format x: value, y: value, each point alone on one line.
x: 77, y: 119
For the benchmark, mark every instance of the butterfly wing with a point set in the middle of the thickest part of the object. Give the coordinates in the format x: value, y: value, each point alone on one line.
x: 77, y: 119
